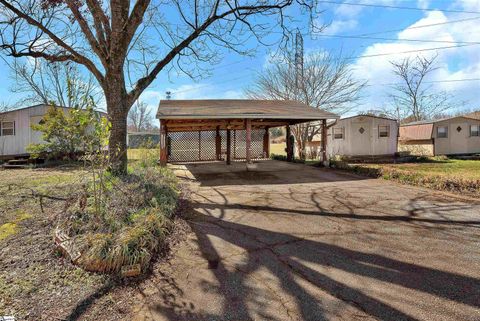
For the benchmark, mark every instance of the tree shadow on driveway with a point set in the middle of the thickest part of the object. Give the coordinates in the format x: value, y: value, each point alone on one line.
x: 289, y: 259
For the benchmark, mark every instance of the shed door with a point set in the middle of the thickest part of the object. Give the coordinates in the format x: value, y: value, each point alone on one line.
x: 459, y: 133
x: 360, y: 138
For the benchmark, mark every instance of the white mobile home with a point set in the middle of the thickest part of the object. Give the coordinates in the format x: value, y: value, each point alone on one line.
x: 363, y: 135
x: 16, y: 132
x: 451, y: 136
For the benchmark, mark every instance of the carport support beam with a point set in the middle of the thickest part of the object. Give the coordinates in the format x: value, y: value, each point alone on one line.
x: 266, y: 143
x: 248, y: 141
x: 163, y: 144
x: 324, y: 142
x: 218, y: 143
x: 289, y: 145
x: 229, y: 146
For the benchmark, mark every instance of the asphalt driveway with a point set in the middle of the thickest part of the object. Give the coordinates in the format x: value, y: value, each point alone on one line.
x: 293, y: 242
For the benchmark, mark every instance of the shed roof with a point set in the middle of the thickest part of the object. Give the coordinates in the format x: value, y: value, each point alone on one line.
x: 44, y: 105
x: 240, y: 109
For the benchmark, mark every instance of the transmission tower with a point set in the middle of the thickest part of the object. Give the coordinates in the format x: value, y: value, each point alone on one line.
x: 298, y: 61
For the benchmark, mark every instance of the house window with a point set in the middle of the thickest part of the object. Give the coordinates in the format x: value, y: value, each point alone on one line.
x: 338, y: 133
x: 7, y: 128
x: 442, y: 132
x: 383, y: 131
x: 474, y: 130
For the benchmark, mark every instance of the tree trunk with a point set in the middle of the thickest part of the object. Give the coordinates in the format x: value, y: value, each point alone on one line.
x: 117, y: 107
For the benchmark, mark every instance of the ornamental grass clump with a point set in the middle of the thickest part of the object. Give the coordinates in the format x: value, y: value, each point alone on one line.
x: 127, y: 224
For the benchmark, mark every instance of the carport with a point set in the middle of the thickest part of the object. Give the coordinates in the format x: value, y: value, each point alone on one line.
x: 230, y: 129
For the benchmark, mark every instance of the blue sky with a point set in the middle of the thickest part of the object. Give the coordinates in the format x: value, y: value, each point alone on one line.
x: 234, y: 73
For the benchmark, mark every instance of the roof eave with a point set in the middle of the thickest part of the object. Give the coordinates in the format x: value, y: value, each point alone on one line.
x: 249, y: 116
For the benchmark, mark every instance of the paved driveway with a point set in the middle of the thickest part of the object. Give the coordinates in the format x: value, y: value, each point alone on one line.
x: 293, y: 242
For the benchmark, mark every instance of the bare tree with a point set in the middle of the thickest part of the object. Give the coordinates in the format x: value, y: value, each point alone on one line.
x: 126, y: 45
x: 327, y: 83
x: 140, y: 117
x: 414, y: 98
x: 43, y: 82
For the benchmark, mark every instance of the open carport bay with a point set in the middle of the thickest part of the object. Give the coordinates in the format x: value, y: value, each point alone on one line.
x: 295, y: 242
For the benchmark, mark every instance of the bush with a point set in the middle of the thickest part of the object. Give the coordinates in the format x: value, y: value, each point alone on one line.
x: 284, y: 158
x: 129, y: 225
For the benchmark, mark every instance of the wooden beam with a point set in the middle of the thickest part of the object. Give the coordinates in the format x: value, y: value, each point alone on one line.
x: 175, y: 126
x: 266, y: 143
x: 324, y: 141
x: 218, y: 143
x: 229, y: 147
x: 248, y: 142
x: 163, y: 145
x: 289, y: 144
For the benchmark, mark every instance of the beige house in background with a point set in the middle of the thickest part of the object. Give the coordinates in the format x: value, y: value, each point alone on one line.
x: 450, y: 136
x: 363, y: 135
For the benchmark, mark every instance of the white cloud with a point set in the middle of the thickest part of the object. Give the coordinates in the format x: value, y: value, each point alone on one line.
x: 454, y: 63
x: 345, y: 16
x: 339, y: 26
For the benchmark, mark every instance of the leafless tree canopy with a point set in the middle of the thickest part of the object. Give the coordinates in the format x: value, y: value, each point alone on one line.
x: 126, y: 44
x: 327, y: 83
x: 59, y: 83
x: 413, y: 98
x: 140, y: 118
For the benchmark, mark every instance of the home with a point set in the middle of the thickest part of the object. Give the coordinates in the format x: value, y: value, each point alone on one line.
x: 363, y: 135
x: 16, y: 132
x: 450, y: 136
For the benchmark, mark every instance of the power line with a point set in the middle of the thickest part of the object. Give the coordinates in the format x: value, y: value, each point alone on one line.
x: 393, y: 39
x: 417, y: 27
x: 397, y: 7
x: 408, y: 51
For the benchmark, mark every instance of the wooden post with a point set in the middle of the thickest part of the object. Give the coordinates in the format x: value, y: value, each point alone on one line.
x: 289, y: 145
x: 229, y: 147
x: 163, y: 144
x: 248, y: 142
x: 199, y: 145
x: 324, y: 142
x: 218, y: 144
x: 266, y: 143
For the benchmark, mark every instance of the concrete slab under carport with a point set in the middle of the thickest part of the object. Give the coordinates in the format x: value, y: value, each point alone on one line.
x: 319, y: 245
x: 266, y: 172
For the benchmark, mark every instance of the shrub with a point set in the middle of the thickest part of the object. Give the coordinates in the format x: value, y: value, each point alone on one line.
x: 70, y: 134
x: 129, y: 225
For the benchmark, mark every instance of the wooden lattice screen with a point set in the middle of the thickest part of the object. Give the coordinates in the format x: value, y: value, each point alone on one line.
x: 197, y: 146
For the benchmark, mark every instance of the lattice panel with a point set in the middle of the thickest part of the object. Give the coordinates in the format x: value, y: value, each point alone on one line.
x: 184, y: 146
x: 240, y: 144
x: 207, y: 145
x: 200, y: 146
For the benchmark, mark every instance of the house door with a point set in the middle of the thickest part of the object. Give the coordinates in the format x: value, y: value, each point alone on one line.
x: 360, y: 137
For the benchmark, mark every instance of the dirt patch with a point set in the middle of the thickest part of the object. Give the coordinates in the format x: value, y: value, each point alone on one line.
x: 36, y: 283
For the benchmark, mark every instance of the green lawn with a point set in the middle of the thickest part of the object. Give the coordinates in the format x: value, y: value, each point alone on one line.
x: 467, y: 169
x: 278, y: 149
x: 142, y: 153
